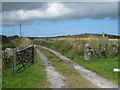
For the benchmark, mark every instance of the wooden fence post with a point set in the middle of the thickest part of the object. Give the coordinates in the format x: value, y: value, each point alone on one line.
x: 14, y: 62
x: 32, y: 53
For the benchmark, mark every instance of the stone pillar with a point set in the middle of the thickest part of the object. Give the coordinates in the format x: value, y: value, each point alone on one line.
x: 87, y: 52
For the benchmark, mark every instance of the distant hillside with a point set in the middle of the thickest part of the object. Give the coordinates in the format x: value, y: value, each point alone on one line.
x: 94, y: 35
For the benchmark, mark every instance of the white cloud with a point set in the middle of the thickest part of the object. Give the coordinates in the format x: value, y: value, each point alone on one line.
x: 60, y: 11
x: 54, y: 10
x: 57, y: 9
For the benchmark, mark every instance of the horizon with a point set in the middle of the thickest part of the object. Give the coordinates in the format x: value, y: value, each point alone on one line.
x: 63, y: 35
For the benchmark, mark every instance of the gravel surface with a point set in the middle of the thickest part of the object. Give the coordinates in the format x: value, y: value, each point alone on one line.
x: 97, y: 80
x: 56, y: 80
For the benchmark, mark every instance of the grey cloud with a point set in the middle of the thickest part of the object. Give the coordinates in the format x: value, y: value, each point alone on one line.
x: 26, y: 12
x: 13, y: 6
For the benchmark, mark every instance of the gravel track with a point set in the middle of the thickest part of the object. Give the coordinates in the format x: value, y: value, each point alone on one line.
x: 94, y: 78
x: 56, y: 80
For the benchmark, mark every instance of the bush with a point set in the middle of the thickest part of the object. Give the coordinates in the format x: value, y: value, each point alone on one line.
x: 8, y: 45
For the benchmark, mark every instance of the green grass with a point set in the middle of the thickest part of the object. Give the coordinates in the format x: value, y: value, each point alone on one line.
x: 103, y: 67
x: 0, y: 78
x: 32, y: 77
x: 74, y: 79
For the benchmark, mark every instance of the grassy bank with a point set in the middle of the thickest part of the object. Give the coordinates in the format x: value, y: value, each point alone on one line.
x: 103, y: 67
x: 74, y: 79
x: 32, y: 77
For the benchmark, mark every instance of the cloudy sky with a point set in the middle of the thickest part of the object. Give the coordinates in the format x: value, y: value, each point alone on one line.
x: 59, y: 18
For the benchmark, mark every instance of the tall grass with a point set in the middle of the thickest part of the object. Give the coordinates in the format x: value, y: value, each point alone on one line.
x: 18, y: 42
x: 23, y: 42
x: 76, y: 45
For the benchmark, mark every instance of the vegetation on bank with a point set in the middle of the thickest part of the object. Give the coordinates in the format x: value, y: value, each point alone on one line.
x: 9, y: 42
x: 73, y: 49
x: 14, y: 41
x: 32, y: 77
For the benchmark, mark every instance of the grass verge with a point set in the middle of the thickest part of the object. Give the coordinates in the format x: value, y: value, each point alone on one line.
x: 74, y: 79
x: 32, y: 77
x: 103, y: 67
